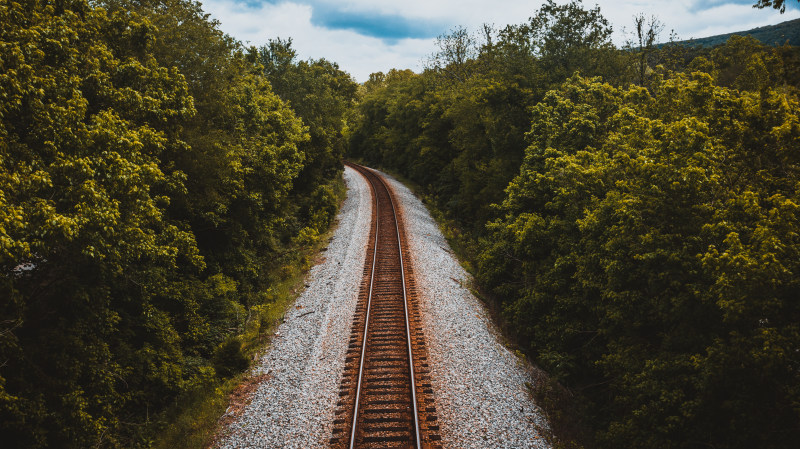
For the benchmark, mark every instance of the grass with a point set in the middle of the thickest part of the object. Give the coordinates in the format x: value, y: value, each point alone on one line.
x: 193, y: 421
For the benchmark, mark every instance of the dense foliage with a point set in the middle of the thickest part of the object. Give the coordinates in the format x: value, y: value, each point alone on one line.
x: 459, y: 127
x: 322, y: 95
x: 636, y: 223
x: 651, y: 244
x: 151, y: 184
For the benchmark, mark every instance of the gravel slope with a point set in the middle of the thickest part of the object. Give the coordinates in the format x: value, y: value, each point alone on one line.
x: 465, y: 350
x: 294, y: 406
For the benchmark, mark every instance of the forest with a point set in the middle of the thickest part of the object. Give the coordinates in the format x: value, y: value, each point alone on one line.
x: 156, y: 177
x: 632, y: 213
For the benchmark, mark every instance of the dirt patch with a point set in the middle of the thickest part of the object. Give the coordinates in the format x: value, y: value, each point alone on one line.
x: 237, y: 402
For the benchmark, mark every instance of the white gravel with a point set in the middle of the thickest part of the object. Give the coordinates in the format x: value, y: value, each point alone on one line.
x: 478, y: 383
x: 294, y: 407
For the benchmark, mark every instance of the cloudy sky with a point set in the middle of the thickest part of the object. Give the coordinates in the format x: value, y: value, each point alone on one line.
x: 366, y: 36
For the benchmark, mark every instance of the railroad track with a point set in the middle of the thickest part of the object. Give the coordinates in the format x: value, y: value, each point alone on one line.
x: 386, y: 398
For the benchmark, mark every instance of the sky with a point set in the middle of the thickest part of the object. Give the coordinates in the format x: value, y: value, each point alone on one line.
x: 366, y: 36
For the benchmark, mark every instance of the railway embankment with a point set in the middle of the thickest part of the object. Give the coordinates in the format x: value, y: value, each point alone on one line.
x: 479, y: 385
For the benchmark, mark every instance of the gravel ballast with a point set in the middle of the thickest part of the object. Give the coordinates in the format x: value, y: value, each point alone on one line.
x: 294, y: 407
x: 478, y: 383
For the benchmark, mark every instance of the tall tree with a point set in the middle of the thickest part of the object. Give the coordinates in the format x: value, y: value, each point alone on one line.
x: 322, y: 95
x: 647, y: 32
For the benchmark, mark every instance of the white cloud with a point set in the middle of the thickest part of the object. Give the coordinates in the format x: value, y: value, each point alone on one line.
x: 361, y: 55
x: 358, y: 55
x: 456, y: 11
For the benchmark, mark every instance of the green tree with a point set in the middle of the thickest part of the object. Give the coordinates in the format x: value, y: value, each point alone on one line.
x: 459, y: 127
x: 87, y: 113
x: 610, y: 257
x: 568, y: 38
x: 146, y: 169
x: 321, y: 94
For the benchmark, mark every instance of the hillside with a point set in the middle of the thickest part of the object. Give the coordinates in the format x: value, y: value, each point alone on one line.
x: 774, y: 35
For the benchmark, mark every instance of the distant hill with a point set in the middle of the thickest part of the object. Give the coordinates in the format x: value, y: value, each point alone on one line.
x: 774, y: 35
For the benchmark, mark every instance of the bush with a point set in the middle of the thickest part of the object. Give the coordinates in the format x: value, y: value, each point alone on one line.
x: 229, y: 358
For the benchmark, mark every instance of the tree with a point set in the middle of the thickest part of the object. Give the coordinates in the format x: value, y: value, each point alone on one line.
x: 144, y: 190
x: 322, y: 95
x: 89, y: 114
x: 610, y: 259
x: 457, y: 50
x: 647, y: 32
x: 774, y: 4
x: 568, y: 38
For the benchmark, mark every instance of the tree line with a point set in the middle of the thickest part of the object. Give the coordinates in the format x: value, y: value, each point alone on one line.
x: 155, y: 177
x: 632, y: 212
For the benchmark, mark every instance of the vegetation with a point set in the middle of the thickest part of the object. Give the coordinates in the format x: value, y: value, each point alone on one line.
x: 775, y: 4
x: 153, y: 188
x: 634, y: 214
x: 631, y: 213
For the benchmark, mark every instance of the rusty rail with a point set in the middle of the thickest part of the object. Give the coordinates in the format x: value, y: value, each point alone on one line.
x: 386, y: 398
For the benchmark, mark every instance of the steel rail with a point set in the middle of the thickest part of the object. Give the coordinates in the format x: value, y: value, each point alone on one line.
x: 417, y: 431
x: 366, y: 325
x: 408, y: 328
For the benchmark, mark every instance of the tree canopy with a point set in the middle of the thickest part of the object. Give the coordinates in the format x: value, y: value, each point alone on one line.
x: 151, y: 184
